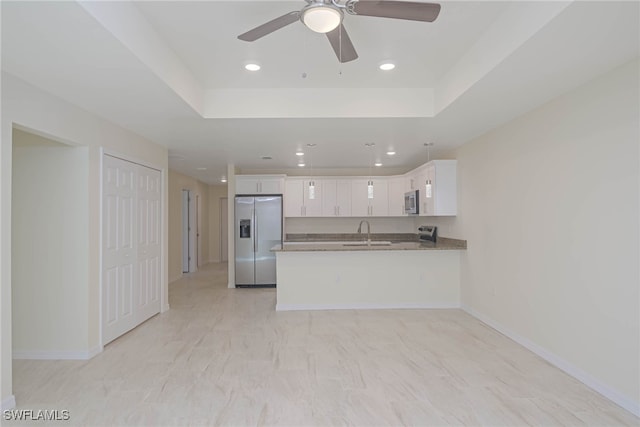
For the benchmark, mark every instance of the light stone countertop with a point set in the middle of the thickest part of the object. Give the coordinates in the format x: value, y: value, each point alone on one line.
x: 443, y: 244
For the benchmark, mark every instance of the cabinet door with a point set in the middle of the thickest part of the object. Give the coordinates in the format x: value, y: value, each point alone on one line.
x: 343, y: 197
x: 293, y: 198
x: 410, y: 182
x: 396, y: 197
x: 427, y: 199
x: 359, y: 199
x: 445, y: 187
x: 246, y: 186
x: 270, y: 186
x: 380, y: 202
x: 312, y: 207
x: 329, y: 197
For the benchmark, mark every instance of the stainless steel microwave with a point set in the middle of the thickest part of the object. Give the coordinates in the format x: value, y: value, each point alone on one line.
x: 411, y: 203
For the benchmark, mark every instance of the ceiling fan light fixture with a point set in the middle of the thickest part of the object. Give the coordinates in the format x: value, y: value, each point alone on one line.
x: 321, y: 18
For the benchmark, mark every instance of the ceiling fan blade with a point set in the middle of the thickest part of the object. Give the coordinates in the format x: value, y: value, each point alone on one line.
x: 345, y: 50
x: 270, y: 27
x: 410, y: 10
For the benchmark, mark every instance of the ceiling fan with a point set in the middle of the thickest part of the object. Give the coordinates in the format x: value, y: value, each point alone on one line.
x: 325, y: 16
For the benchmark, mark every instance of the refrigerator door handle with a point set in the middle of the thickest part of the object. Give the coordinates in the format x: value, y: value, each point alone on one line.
x: 255, y: 231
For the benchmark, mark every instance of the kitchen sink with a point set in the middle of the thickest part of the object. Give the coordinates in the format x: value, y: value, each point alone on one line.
x: 373, y: 243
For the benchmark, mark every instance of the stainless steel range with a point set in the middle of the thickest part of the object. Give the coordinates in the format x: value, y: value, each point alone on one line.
x: 428, y: 233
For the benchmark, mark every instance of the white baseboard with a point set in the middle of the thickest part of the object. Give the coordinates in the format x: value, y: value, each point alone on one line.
x: 616, y: 397
x: 57, y: 355
x: 366, y: 306
x: 165, y: 308
x: 8, y: 403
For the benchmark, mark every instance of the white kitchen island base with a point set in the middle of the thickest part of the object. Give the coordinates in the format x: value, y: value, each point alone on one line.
x: 367, y: 279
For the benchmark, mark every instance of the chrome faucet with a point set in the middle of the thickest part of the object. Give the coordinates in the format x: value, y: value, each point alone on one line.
x: 368, y: 230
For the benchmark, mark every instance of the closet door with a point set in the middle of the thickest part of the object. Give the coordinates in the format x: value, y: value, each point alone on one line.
x: 148, y: 250
x: 118, y: 248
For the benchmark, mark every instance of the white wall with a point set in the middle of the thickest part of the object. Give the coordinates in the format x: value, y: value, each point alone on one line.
x: 27, y: 107
x: 549, y: 206
x: 49, y: 247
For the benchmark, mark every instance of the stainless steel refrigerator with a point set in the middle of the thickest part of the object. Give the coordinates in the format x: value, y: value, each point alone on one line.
x: 258, y: 227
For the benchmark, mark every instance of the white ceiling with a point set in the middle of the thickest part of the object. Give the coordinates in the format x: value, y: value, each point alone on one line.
x: 173, y: 71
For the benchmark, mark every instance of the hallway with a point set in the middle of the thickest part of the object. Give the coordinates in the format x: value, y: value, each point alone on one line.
x: 225, y: 357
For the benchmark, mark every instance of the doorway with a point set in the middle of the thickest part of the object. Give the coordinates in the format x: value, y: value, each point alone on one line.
x: 49, y: 247
x: 224, y: 230
x: 189, y: 233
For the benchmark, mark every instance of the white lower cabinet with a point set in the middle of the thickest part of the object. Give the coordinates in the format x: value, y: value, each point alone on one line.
x: 299, y: 200
x: 362, y: 204
x: 336, y: 197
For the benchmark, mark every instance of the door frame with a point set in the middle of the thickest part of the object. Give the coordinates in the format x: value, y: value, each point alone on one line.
x: 224, y: 229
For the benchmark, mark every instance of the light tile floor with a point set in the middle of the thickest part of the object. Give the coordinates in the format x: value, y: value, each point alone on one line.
x: 226, y: 357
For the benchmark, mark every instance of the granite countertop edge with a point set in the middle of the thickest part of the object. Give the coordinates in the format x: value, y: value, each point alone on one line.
x: 399, y: 242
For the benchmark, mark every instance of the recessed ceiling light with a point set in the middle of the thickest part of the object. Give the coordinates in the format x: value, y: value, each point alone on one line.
x: 387, y: 66
x: 252, y: 66
x: 201, y: 169
x: 301, y: 165
x: 299, y: 153
x: 391, y: 153
x: 378, y: 164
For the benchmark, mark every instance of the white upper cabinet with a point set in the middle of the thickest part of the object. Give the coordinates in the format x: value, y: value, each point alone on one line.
x: 299, y: 200
x: 396, y: 196
x: 259, y: 184
x: 410, y: 181
x: 442, y: 200
x: 346, y: 196
x: 362, y: 205
x: 293, y: 198
x: 336, y: 197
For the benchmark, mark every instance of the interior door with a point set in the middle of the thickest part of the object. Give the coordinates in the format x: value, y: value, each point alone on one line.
x: 185, y: 231
x: 198, y: 247
x: 148, y: 286
x: 118, y: 252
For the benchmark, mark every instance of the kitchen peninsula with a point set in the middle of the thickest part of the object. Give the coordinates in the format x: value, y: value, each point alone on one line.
x: 343, y: 273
